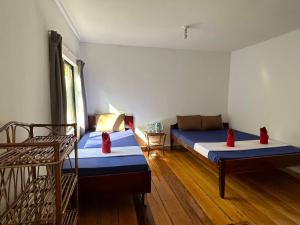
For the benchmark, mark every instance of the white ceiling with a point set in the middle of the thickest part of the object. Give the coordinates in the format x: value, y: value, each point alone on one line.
x: 219, y: 25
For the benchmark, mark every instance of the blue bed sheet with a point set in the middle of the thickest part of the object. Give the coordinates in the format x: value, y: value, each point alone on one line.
x: 216, y: 156
x: 118, y: 139
x: 108, y: 165
x: 192, y: 137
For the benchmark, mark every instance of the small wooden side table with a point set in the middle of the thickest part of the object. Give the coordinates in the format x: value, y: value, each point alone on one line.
x: 158, y: 140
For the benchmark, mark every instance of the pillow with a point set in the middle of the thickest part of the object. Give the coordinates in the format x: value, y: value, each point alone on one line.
x: 212, y: 122
x: 193, y: 122
x: 109, y: 122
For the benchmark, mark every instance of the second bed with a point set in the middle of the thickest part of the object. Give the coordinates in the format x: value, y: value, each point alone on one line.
x: 247, y: 155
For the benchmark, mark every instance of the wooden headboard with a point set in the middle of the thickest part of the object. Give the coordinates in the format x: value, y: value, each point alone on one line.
x: 129, y: 122
x: 175, y: 126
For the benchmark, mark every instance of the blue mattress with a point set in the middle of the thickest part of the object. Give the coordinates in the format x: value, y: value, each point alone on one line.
x: 108, y: 165
x: 118, y: 139
x: 192, y: 137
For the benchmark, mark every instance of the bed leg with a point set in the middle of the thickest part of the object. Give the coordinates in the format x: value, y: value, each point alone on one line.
x: 143, y: 199
x: 171, y: 142
x: 222, y: 179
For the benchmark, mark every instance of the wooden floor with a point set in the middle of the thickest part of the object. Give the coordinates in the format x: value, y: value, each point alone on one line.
x: 185, y: 191
x: 108, y: 210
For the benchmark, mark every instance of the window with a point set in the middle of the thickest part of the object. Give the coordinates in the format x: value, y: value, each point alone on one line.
x: 69, y: 79
x: 79, y: 102
x: 75, y: 107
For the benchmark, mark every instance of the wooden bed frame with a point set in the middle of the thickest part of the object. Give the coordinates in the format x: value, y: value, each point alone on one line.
x: 121, y: 183
x: 232, y: 166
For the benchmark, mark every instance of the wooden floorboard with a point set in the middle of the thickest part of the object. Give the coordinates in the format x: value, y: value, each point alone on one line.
x: 182, y: 201
x: 107, y: 210
x: 185, y: 191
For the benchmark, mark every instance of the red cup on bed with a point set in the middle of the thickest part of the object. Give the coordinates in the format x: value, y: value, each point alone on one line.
x: 106, y: 143
x: 264, y: 137
x: 230, y: 138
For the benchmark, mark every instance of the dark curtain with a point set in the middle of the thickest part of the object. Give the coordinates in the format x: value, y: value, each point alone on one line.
x: 57, y: 80
x: 80, y: 65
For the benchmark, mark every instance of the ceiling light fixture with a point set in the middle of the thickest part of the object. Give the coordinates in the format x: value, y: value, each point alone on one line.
x: 187, y: 27
x: 185, y: 31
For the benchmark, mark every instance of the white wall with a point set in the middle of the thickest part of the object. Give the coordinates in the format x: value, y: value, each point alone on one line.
x: 24, y: 74
x: 264, y: 88
x: 155, y: 84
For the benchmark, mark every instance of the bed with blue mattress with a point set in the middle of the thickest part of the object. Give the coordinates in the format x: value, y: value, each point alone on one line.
x: 123, y: 171
x: 247, y: 155
x: 92, y: 163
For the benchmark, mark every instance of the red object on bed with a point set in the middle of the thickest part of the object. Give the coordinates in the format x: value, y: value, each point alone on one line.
x: 264, y: 137
x: 230, y: 138
x: 106, y: 143
x: 129, y: 123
